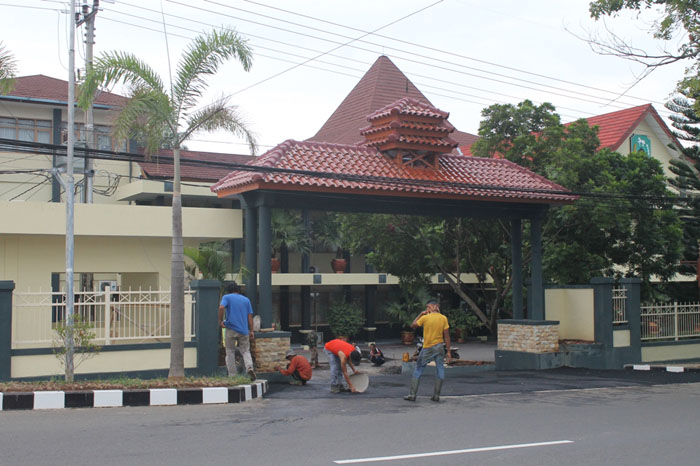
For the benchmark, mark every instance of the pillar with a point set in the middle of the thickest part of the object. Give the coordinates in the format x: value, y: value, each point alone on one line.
x: 6, y: 288
x: 207, y: 326
x: 516, y: 246
x: 537, y: 310
x: 251, y: 253
x: 264, y: 269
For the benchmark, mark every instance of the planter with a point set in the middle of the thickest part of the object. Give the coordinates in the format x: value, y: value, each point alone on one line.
x: 339, y: 265
x: 407, y: 337
x: 274, y: 265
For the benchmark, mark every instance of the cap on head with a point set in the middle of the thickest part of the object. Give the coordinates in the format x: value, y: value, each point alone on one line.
x: 432, y: 302
x: 290, y: 354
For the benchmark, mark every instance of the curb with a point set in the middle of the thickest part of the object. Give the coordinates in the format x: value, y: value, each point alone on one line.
x: 661, y: 368
x: 140, y: 397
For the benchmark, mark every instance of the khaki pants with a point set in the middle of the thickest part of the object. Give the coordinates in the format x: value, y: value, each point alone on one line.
x: 237, y: 342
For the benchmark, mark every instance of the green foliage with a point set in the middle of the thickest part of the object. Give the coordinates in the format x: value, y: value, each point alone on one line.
x: 209, y: 259
x: 345, y: 318
x: 8, y: 70
x: 412, y: 301
x: 83, y: 340
x: 329, y: 231
x: 288, y: 230
x: 463, y: 320
x: 687, y: 171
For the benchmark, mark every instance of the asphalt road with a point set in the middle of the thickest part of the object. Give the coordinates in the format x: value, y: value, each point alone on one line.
x: 543, y: 418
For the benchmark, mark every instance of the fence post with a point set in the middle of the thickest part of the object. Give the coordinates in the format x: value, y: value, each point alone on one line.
x: 207, y: 329
x: 108, y: 316
x: 6, y: 287
x: 633, y: 308
x: 675, y: 320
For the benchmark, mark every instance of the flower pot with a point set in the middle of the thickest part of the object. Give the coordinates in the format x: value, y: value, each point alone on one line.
x: 407, y: 337
x: 339, y: 265
x: 274, y: 265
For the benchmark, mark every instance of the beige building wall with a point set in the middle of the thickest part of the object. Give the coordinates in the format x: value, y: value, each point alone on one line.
x: 573, y: 308
x: 670, y: 352
x: 107, y: 361
x: 659, y: 150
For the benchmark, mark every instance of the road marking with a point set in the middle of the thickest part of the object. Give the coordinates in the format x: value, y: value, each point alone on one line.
x: 452, y: 452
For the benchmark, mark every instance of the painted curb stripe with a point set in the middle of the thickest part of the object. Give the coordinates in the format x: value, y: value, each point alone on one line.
x: 49, y: 400
x: 641, y: 367
x: 675, y: 369
x: 118, y: 398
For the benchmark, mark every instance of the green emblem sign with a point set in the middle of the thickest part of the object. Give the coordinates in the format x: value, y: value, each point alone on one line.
x: 640, y: 142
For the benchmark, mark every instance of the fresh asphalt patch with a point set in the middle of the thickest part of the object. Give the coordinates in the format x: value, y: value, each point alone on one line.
x: 490, y: 382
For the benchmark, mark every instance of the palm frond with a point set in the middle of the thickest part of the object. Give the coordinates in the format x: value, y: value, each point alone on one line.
x: 147, y: 118
x: 220, y: 115
x: 8, y: 70
x: 203, y: 57
x: 114, y: 67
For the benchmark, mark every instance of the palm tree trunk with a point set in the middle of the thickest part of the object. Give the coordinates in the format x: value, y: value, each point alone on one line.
x: 177, y: 281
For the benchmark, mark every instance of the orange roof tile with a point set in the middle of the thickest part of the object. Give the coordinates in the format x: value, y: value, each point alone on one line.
x: 358, y: 169
x: 156, y: 170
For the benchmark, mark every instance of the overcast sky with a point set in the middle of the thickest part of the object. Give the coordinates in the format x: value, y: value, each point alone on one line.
x: 464, y: 55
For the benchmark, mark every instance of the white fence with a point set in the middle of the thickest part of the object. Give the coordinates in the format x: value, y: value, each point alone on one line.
x: 673, y: 321
x: 115, y: 316
x: 619, y: 298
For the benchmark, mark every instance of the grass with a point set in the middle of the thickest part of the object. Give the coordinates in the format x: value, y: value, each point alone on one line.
x: 122, y: 383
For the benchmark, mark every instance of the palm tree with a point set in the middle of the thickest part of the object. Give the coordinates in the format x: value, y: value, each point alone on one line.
x: 8, y: 70
x: 156, y: 118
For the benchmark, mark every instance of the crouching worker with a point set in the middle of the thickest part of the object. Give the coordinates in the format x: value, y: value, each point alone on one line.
x: 376, y: 356
x: 338, y: 352
x: 298, y: 367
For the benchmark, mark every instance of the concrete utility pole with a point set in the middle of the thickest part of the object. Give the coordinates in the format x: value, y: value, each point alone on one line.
x: 88, y: 18
x: 70, y: 200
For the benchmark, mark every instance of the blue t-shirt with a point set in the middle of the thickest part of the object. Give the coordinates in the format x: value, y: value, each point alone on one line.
x: 237, y: 309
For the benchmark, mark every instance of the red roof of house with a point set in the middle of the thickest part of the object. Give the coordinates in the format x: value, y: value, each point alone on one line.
x: 156, y: 170
x: 382, y: 85
x: 43, y: 87
x: 615, y: 127
x: 356, y: 169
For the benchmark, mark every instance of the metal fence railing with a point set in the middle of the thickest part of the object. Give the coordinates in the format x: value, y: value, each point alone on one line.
x: 114, y: 316
x: 619, y: 298
x: 672, y: 321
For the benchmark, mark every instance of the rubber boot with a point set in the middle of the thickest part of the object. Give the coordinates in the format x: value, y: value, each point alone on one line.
x: 414, y: 390
x: 436, y: 390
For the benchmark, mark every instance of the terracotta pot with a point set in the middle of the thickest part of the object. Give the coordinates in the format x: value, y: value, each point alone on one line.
x: 407, y: 337
x: 274, y: 265
x: 339, y: 265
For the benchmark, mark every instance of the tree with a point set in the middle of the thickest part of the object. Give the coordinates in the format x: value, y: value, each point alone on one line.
x: 678, y: 16
x: 687, y: 170
x: 208, y: 259
x: 8, y: 70
x: 636, y: 233
x: 156, y: 117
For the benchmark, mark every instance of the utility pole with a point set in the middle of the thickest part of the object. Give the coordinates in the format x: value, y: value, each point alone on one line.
x: 88, y: 18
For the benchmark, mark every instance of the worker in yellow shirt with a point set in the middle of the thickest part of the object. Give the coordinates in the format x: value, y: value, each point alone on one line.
x: 436, y: 346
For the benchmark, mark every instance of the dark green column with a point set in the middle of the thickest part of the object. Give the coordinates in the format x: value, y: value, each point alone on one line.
x: 6, y: 287
x: 516, y: 246
x: 264, y: 269
x: 207, y: 325
x: 536, y: 312
x: 602, y: 311
x: 251, y: 252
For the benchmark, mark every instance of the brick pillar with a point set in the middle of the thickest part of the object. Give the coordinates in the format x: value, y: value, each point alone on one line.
x: 269, y: 350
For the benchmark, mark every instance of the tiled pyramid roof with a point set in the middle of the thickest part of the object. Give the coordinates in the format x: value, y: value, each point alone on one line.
x: 355, y: 169
x: 43, y: 87
x: 382, y: 85
x: 156, y: 170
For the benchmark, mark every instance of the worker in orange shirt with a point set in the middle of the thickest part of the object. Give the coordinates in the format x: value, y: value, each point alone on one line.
x: 298, y: 367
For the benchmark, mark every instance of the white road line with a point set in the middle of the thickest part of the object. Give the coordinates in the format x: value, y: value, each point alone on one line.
x: 452, y: 452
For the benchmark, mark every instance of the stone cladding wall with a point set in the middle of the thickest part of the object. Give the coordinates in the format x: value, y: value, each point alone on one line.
x: 270, y: 352
x: 528, y: 338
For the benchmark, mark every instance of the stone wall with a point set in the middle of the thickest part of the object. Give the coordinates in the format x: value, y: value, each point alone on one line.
x: 529, y: 336
x: 269, y: 350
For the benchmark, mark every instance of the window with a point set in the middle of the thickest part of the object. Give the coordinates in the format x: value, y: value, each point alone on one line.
x: 23, y: 129
x: 102, y: 137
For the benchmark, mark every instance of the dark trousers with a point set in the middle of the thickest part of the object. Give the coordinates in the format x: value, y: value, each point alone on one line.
x: 297, y: 376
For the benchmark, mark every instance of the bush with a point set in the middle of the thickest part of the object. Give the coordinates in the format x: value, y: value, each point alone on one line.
x: 345, y: 319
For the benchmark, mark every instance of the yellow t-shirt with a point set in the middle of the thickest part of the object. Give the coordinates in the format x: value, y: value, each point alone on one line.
x: 433, y: 325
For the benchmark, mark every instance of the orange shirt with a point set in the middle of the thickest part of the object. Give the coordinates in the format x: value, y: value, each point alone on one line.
x: 339, y: 345
x: 298, y: 363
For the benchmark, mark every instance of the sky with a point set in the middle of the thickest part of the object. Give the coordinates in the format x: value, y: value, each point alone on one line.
x: 464, y: 55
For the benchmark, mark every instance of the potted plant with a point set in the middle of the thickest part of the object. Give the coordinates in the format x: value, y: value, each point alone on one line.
x: 287, y: 231
x: 405, y: 309
x: 345, y: 318
x: 463, y: 322
x: 329, y: 232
